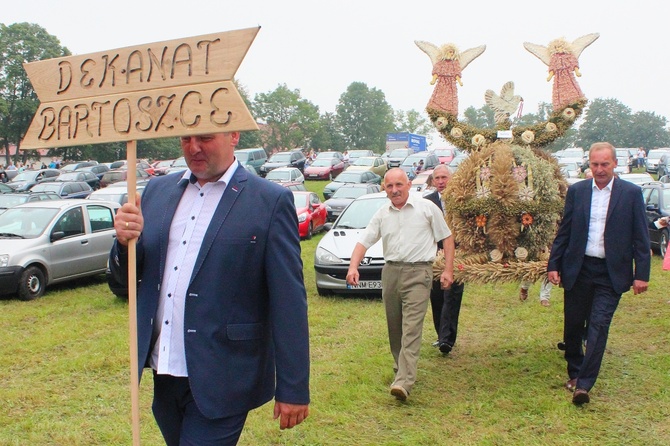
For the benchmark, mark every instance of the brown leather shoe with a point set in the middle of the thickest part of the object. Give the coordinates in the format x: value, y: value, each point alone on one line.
x: 399, y: 393
x: 571, y: 384
x: 580, y: 396
x: 523, y: 294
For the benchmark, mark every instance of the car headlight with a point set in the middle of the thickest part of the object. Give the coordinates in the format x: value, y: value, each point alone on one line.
x: 326, y: 257
x: 4, y: 260
x: 302, y: 217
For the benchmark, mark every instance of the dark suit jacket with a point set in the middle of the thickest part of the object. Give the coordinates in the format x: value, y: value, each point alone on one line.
x: 626, y: 235
x: 246, y: 306
x: 435, y: 198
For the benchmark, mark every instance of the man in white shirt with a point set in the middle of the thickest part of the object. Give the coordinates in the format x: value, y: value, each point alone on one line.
x: 410, y: 228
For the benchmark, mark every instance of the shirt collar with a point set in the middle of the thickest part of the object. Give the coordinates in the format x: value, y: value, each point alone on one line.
x: 608, y: 186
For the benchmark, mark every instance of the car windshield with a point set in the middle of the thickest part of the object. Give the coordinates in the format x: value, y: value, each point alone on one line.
x: 443, y: 152
x: 655, y: 154
x: 300, y: 200
x: 72, y: 176
x: 399, y: 153
x: 283, y: 157
x: 348, y: 177
x: 118, y: 197
x: 458, y: 160
x: 325, y: 162
x: 364, y: 162
x: 68, y: 168
x: 25, y: 222
x: 42, y: 187
x: 622, y: 153
x: 359, y: 213
x: 413, y: 159
x: 9, y: 201
x: 666, y: 199
x: 28, y: 175
x: 281, y: 175
x: 349, y: 192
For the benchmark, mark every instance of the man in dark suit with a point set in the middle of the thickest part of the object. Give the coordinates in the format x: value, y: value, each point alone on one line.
x: 602, y: 234
x: 221, y: 307
x: 445, y: 304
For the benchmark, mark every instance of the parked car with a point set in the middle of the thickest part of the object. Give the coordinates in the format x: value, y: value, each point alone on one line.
x: 397, y: 156
x: 372, y: 163
x: 87, y: 177
x: 624, y: 161
x: 333, y: 253
x: 570, y: 169
x: 116, y: 175
x: 345, y: 195
x: 53, y: 241
x: 65, y: 189
x: 358, y: 153
x: 324, y: 169
x: 350, y: 177
x: 458, y: 159
x: 97, y: 170
x: 9, y: 200
x: 445, y: 155
x: 76, y: 166
x: 294, y: 158
x: 285, y: 175
x: 330, y: 154
x: 117, y: 192
x: 429, y: 159
x: 179, y: 165
x: 311, y: 213
x: 637, y: 178
x: 255, y: 157
x: 142, y: 164
x: 28, y: 178
x: 161, y: 167
x: 663, y: 169
x: 653, y: 157
x: 294, y: 186
x: 657, y: 201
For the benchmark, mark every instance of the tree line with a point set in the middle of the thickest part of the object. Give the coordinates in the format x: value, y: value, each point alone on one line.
x: 361, y: 120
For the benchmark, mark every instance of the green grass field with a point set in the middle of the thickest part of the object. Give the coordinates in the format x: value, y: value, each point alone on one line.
x: 64, y: 375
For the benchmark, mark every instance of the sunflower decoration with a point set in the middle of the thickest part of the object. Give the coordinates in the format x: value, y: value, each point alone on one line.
x: 505, y: 200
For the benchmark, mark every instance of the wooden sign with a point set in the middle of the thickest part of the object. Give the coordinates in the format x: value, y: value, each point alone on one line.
x: 172, y: 88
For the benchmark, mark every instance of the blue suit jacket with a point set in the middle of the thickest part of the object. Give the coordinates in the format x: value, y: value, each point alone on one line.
x: 626, y: 235
x: 246, y: 306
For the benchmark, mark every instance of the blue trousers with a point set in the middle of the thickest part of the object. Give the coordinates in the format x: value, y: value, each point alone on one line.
x: 591, y: 303
x: 180, y: 421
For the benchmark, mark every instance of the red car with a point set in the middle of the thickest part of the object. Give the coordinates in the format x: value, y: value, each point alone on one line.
x: 312, y: 213
x: 324, y: 169
x: 445, y: 155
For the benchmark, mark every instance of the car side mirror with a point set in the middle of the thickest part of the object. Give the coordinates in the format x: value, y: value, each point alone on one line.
x: 653, y: 207
x: 55, y: 236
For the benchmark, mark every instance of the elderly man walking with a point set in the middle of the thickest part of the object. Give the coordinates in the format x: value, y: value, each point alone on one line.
x: 410, y: 228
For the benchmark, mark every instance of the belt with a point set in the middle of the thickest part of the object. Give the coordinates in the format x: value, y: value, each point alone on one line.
x: 393, y: 262
x: 594, y: 259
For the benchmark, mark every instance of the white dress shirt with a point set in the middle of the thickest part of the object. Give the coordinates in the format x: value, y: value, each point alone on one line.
x: 600, y: 201
x: 189, y: 225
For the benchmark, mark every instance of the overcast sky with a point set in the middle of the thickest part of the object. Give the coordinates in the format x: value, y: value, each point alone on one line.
x: 321, y: 47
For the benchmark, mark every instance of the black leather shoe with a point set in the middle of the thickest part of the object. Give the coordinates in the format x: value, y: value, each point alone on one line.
x: 561, y: 346
x: 580, y: 396
x: 445, y: 348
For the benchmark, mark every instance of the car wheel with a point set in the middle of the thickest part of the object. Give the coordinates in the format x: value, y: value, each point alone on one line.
x: 310, y: 231
x: 663, y: 244
x: 31, y: 284
x: 323, y: 291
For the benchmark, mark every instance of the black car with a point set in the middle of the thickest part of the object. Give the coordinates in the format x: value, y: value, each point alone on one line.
x: 294, y: 158
x: 657, y: 202
x: 65, y: 189
x: 98, y: 170
x: 88, y: 177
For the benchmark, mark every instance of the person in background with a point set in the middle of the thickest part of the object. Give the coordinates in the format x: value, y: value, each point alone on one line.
x: 221, y: 305
x: 601, y: 249
x: 545, y: 291
x: 445, y: 304
x: 410, y: 228
x: 641, y: 155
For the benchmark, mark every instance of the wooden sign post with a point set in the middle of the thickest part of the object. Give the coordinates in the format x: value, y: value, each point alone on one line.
x: 166, y: 89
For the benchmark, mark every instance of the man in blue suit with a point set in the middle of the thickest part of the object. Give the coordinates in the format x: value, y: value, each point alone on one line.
x: 221, y: 306
x: 603, y: 234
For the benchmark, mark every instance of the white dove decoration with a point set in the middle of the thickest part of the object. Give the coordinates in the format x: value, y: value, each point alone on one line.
x: 504, y: 105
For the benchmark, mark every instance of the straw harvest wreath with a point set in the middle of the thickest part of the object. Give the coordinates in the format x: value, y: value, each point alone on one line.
x: 505, y: 200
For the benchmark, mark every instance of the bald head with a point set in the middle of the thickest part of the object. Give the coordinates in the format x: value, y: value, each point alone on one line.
x: 441, y: 177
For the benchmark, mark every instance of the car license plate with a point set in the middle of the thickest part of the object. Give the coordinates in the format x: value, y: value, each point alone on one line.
x: 367, y: 285
x: 312, y: 175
